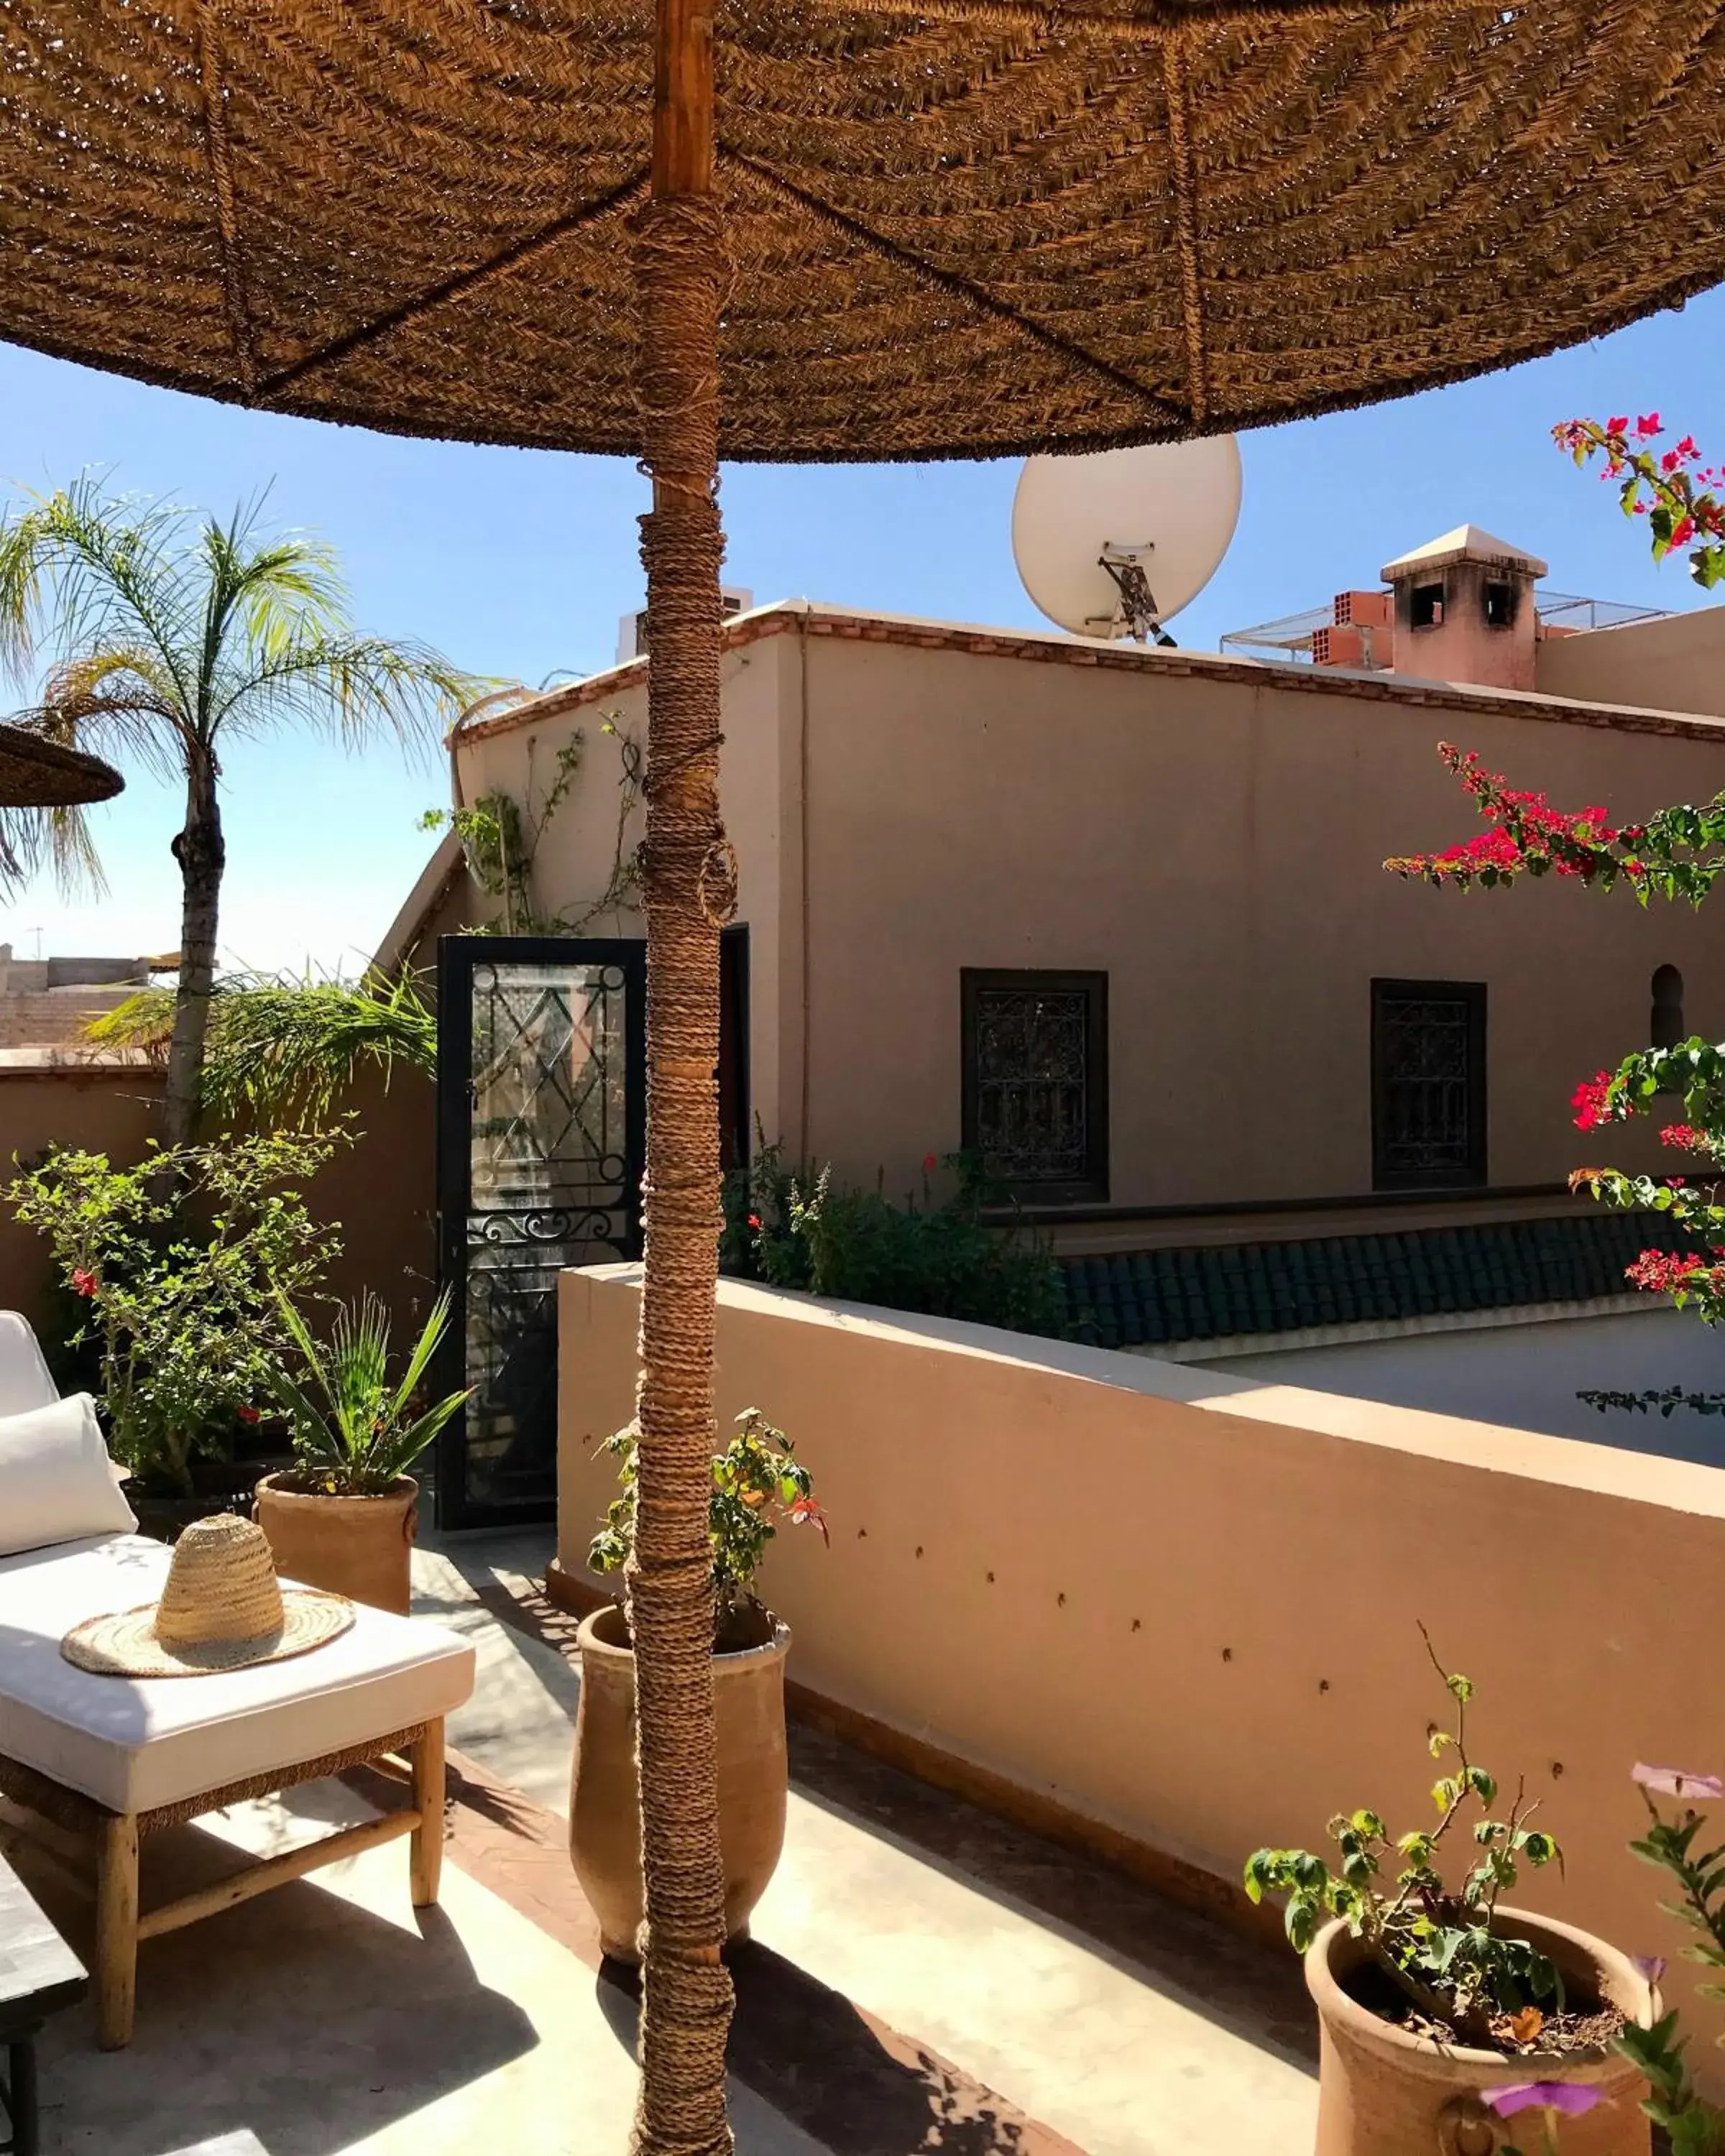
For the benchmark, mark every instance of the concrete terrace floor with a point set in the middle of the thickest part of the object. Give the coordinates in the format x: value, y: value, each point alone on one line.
x: 922, y: 1978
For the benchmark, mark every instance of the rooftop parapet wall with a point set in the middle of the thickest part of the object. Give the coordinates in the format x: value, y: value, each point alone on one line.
x: 1183, y: 1605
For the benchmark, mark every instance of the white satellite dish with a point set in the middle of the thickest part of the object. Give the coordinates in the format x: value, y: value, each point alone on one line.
x: 1115, y: 544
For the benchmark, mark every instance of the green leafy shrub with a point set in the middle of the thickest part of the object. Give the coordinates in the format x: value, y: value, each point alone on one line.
x: 756, y: 1481
x: 185, y: 1317
x: 1438, y: 1944
x: 941, y: 1257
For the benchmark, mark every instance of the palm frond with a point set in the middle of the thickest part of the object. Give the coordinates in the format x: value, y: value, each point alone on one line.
x: 353, y: 689
x: 424, y: 1348
x: 83, y: 571
x: 281, y: 1048
x: 144, y: 1019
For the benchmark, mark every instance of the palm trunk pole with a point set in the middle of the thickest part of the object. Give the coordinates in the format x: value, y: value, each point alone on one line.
x: 688, y: 887
x: 201, y: 855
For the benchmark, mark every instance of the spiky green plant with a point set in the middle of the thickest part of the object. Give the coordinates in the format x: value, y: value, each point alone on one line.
x: 167, y: 636
x: 354, y: 1430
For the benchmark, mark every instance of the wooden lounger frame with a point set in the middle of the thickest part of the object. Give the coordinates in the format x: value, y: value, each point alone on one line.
x: 115, y: 1837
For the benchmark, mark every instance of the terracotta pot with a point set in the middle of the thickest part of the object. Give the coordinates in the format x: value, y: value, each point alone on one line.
x: 1384, y: 2092
x: 604, y: 1812
x: 359, y: 1547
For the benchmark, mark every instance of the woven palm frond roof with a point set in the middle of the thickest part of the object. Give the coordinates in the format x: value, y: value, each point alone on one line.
x: 38, y: 773
x: 959, y: 227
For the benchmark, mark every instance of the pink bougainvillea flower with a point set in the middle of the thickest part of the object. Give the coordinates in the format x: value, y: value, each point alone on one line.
x: 1589, y: 1101
x: 84, y: 1282
x: 1662, y: 1272
x: 1617, y: 426
x: 1676, y: 1781
x: 754, y: 1220
x: 1572, y: 2098
x: 1651, y: 1966
x: 1647, y: 425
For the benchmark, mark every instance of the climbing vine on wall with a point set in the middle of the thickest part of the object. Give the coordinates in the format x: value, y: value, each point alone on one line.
x: 500, y: 838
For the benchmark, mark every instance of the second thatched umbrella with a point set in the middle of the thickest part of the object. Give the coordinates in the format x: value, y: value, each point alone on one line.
x: 964, y: 228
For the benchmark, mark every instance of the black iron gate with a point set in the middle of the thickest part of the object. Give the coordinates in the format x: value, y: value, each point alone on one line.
x: 541, y: 1129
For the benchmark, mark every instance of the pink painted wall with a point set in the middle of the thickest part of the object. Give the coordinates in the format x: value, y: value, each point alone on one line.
x: 908, y: 800
x: 1185, y: 1605
x: 1213, y: 841
x: 1676, y: 663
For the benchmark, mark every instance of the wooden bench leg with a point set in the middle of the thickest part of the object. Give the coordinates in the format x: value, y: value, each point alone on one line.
x: 426, y: 1849
x: 21, y: 2098
x: 117, y: 1954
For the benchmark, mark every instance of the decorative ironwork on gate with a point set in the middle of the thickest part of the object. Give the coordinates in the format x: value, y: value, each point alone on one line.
x: 541, y: 1073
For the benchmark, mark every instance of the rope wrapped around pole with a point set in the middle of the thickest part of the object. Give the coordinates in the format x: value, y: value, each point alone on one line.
x: 688, y: 889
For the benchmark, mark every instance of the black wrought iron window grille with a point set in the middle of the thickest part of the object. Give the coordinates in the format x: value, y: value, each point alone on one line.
x: 1428, y: 1085
x: 1035, y: 1089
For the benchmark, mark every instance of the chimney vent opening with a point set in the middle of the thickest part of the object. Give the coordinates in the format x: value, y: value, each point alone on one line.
x: 1425, y: 603
x: 1500, y: 606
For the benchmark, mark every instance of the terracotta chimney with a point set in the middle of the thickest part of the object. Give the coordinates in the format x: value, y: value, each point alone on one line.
x: 1464, y: 610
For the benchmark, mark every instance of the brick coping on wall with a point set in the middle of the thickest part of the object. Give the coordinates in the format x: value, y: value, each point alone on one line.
x: 1051, y: 648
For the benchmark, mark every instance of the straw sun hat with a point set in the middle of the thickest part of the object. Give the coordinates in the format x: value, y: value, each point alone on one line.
x: 222, y: 1608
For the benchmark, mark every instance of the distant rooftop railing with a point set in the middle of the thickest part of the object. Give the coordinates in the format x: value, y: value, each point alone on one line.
x: 1289, y: 639
x: 1562, y: 610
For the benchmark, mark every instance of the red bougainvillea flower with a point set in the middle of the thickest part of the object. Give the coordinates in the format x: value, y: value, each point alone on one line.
x: 755, y: 1221
x: 1663, y: 1272
x: 806, y: 1512
x: 1647, y: 425
x: 929, y: 1164
x: 249, y: 1415
x: 1572, y: 2098
x: 1591, y: 1100
x: 1615, y: 426
x: 1676, y: 1781
x: 84, y: 1282
x: 1682, y: 531
x: 1683, y: 1136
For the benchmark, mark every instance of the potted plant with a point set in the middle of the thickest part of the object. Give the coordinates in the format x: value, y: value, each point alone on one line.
x: 344, y: 1517
x: 170, y: 1273
x: 1431, y: 1995
x: 756, y: 1481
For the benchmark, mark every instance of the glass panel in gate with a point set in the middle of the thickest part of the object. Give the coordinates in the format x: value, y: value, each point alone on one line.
x: 551, y: 1183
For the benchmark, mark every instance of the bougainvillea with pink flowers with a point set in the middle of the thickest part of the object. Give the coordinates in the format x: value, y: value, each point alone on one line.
x: 1677, y: 855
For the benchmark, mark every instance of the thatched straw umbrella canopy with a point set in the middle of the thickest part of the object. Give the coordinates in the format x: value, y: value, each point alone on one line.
x: 898, y: 228
x: 38, y: 773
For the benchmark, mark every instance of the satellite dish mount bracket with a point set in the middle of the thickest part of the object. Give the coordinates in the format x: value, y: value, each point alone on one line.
x: 1135, y: 611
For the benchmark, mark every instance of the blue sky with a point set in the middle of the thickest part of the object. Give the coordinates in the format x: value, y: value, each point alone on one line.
x: 520, y: 562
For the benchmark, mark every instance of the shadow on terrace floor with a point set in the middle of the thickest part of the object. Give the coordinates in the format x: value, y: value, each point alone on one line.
x: 305, y: 2016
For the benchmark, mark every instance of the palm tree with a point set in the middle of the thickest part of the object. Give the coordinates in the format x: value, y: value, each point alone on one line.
x: 168, y: 634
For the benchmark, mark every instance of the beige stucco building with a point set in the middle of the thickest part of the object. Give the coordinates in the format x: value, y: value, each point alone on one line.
x: 1118, y: 915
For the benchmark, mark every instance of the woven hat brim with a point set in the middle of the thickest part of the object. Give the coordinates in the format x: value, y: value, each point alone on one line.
x: 123, y: 1644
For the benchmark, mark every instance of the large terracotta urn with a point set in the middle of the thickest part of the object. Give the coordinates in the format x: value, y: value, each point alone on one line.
x: 604, y: 1810
x: 1383, y: 2092
x: 359, y: 1547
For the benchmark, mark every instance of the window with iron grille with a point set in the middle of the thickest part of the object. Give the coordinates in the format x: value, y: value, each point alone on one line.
x: 1428, y: 1085
x: 1036, y: 1082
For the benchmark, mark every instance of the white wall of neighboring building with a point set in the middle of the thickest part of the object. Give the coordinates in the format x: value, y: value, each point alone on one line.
x: 1527, y: 1377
